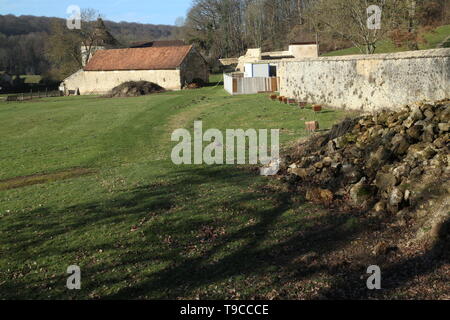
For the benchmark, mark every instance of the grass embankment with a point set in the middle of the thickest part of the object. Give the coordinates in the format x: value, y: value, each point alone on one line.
x: 433, y: 39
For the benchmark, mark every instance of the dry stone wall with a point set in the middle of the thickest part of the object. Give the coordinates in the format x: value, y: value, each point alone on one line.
x: 368, y: 83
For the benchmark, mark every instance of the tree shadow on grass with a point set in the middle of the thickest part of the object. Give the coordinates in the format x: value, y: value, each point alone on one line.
x: 201, y: 227
x: 396, y: 277
x: 178, y: 223
x: 399, y: 274
x: 185, y: 274
x: 213, y: 84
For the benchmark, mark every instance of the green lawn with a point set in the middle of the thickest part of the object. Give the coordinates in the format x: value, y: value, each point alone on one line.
x: 88, y: 181
x: 433, y: 39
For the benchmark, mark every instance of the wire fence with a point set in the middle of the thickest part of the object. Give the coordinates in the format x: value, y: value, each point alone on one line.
x: 32, y: 95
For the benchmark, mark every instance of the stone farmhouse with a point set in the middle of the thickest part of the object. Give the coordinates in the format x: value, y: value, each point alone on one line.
x: 170, y: 67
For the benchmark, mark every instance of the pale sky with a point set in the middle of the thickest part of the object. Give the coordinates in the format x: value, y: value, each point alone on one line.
x: 143, y: 11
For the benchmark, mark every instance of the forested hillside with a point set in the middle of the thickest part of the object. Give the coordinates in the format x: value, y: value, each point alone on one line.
x: 226, y: 28
x: 24, y: 40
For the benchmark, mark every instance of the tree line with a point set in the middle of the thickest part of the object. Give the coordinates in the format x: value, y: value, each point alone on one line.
x: 226, y: 28
x: 27, y: 42
x: 222, y: 29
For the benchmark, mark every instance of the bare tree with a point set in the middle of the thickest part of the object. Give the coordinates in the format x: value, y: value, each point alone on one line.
x: 63, y: 51
x: 66, y: 46
x: 224, y: 28
x: 180, y: 22
x: 349, y: 19
x: 93, y: 34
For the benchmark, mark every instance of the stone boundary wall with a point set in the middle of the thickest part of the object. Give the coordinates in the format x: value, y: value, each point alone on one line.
x: 368, y: 83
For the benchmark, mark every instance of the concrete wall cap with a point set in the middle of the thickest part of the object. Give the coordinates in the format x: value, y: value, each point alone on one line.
x: 432, y: 53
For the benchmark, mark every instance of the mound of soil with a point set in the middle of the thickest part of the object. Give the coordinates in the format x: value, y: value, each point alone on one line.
x: 135, y: 89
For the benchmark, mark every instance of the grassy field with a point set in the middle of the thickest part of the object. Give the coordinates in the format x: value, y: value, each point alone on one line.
x: 88, y: 181
x: 31, y: 79
x: 433, y: 39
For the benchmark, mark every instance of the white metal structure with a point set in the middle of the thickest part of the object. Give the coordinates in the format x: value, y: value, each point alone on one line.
x: 240, y: 85
x: 257, y: 70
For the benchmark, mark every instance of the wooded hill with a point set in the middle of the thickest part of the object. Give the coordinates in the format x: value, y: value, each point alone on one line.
x: 24, y: 40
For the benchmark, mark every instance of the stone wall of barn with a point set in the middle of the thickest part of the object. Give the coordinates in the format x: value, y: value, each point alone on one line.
x: 101, y: 82
x: 193, y: 67
x: 369, y: 83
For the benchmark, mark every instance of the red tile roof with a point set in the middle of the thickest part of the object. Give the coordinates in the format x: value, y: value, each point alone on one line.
x: 155, y: 58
